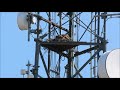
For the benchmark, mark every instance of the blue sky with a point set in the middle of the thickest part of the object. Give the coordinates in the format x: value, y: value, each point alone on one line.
x: 15, y: 50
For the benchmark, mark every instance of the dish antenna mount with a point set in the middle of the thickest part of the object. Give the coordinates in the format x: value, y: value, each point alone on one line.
x: 24, y: 21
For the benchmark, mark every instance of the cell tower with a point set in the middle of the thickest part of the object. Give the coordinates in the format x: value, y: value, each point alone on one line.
x: 67, y: 41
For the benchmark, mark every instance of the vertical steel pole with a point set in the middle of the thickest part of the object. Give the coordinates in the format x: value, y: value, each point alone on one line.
x: 70, y: 51
x: 49, y: 26
x: 37, y: 52
x: 60, y: 17
x: 98, y: 33
x: 95, y: 58
x: 91, y: 67
x: 104, y: 50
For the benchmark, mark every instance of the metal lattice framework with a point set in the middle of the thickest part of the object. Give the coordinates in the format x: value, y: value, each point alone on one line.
x: 69, y: 36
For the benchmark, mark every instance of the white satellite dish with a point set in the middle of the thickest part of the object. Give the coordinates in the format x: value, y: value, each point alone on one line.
x: 22, y: 20
x: 23, y: 72
x: 109, y: 64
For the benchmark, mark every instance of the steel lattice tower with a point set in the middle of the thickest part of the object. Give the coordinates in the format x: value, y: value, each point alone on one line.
x: 69, y: 36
